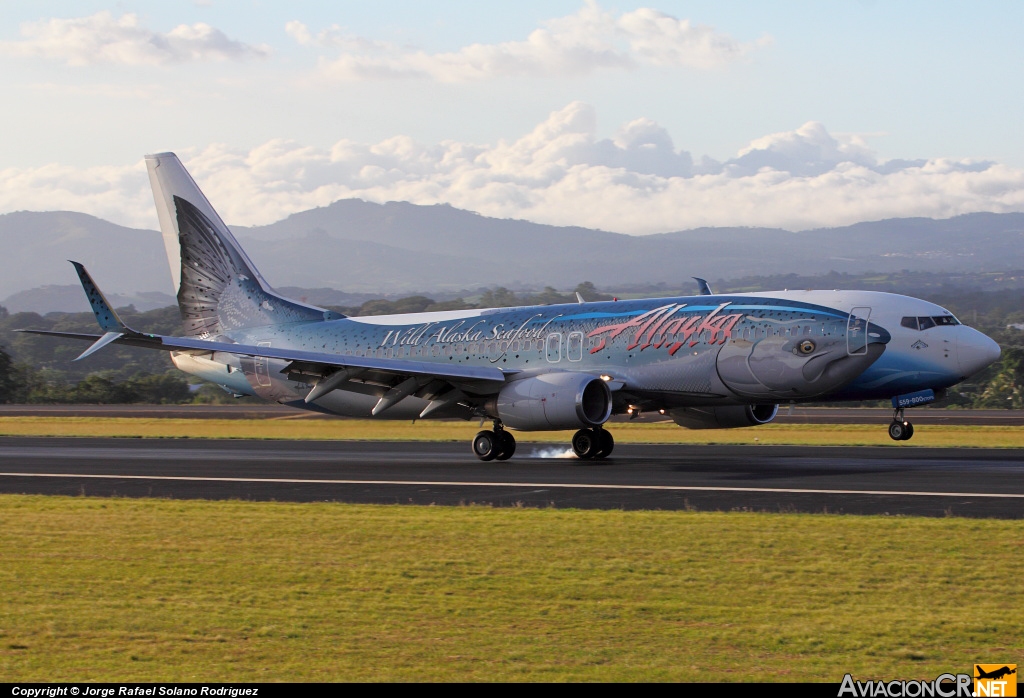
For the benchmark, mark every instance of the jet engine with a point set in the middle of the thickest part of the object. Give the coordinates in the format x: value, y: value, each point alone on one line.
x: 724, y: 417
x: 553, y: 401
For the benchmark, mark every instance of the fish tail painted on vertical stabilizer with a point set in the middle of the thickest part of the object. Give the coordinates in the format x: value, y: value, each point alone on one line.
x: 218, y: 287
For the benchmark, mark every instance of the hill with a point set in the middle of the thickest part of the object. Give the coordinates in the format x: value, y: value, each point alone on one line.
x: 394, y: 249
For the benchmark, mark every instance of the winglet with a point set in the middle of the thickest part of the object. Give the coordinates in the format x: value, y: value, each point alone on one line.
x: 105, y: 315
x: 579, y: 297
x: 112, y: 326
x: 705, y: 289
x: 100, y: 343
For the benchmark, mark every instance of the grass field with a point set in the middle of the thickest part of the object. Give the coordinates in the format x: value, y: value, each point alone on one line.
x: 160, y: 590
x: 356, y: 429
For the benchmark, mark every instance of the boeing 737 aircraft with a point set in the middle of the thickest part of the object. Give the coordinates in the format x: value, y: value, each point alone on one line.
x: 705, y: 361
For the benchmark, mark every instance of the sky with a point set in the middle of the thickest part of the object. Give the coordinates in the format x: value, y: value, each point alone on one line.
x: 639, y: 117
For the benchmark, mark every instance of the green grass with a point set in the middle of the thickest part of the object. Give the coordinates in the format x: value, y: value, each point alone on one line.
x: 159, y: 590
x: 624, y: 432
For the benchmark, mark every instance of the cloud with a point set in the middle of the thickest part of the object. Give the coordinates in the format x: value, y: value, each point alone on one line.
x: 116, y: 193
x: 576, y: 44
x: 102, y: 38
x: 560, y: 173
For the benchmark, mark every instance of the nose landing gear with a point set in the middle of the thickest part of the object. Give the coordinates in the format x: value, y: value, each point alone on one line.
x: 900, y: 429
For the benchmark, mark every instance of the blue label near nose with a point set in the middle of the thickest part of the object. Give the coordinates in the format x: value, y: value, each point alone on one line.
x: 921, y: 397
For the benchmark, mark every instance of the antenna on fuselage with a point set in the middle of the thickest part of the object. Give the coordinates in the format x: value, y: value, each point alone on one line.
x: 703, y: 287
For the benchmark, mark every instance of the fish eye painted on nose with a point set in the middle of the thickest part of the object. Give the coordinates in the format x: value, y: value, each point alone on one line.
x: 806, y: 347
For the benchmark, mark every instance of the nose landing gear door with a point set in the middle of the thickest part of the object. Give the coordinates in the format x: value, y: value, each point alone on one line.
x: 857, y: 331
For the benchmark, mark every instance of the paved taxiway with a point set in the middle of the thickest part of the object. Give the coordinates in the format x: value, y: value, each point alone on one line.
x: 895, y: 480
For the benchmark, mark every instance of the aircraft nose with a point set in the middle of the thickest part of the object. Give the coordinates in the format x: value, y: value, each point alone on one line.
x: 975, y: 351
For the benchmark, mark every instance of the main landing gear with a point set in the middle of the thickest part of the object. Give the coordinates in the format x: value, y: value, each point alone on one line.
x: 900, y: 429
x: 498, y: 444
x: 494, y: 445
x: 593, y: 443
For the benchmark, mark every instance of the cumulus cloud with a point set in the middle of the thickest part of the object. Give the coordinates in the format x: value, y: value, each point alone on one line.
x: 575, y: 44
x: 561, y: 173
x: 102, y: 38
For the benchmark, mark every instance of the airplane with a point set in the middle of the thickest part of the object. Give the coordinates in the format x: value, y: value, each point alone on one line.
x: 994, y: 674
x: 705, y: 361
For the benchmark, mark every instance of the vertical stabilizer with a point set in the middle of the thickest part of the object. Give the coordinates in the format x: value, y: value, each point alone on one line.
x: 219, y: 289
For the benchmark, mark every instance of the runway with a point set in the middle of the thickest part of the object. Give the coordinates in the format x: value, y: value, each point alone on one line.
x: 895, y: 481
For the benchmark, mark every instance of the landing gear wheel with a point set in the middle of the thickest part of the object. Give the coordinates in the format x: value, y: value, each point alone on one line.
x: 606, y: 443
x: 506, y: 445
x: 485, y: 445
x: 586, y: 444
x: 901, y: 431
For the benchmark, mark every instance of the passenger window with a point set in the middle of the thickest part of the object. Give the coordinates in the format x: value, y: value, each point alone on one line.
x: 554, y: 347
x: 574, y: 346
x: 909, y: 322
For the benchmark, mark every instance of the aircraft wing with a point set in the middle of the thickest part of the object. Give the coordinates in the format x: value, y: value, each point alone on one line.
x: 390, y: 380
x: 308, y: 360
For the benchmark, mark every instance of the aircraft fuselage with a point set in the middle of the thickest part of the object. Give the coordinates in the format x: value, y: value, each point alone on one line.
x: 759, y: 348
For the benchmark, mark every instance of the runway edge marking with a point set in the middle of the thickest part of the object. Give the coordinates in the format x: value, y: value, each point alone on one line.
x: 559, y: 485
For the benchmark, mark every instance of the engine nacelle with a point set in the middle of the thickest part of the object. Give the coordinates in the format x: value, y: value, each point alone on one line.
x: 554, y: 401
x: 724, y: 417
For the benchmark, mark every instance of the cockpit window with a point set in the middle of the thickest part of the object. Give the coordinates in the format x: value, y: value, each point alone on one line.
x: 925, y: 322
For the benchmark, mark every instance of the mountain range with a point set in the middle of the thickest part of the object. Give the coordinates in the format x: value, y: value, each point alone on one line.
x: 363, y: 249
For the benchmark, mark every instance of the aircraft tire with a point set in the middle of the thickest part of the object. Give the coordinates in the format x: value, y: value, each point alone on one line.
x: 897, y: 431
x: 606, y: 442
x: 908, y: 431
x: 506, y: 445
x: 585, y: 444
x: 485, y: 445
